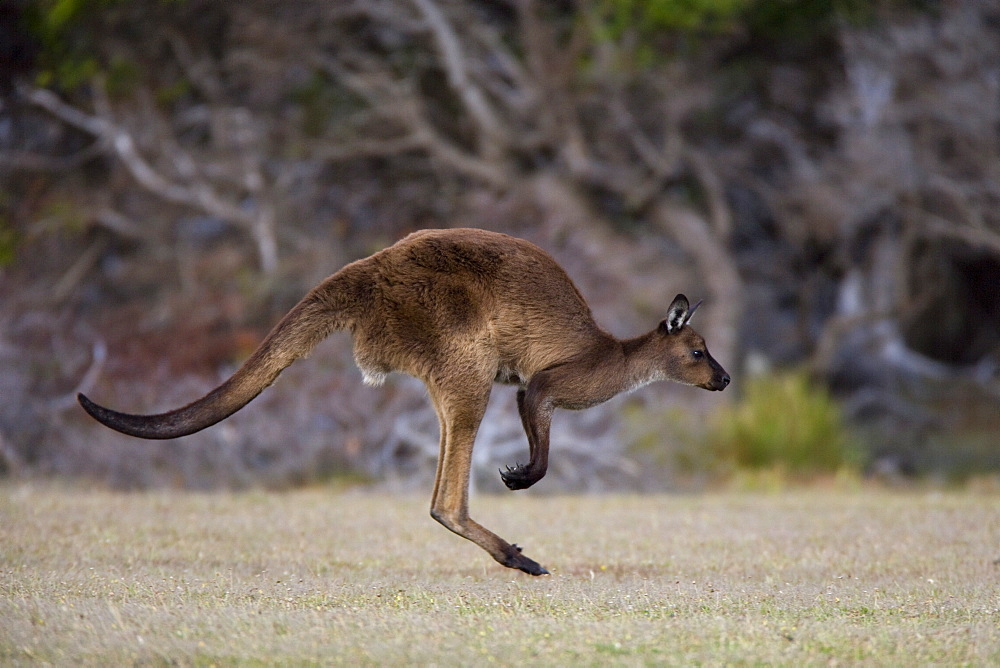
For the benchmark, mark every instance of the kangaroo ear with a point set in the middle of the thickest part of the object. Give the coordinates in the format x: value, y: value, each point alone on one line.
x: 677, y: 315
x: 692, y: 310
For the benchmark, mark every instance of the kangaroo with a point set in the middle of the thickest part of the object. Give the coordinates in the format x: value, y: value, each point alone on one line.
x: 460, y: 309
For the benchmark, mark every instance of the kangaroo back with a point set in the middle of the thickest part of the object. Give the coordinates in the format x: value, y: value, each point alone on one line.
x: 311, y: 320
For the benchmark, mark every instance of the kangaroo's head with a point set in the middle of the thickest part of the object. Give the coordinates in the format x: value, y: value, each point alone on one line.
x: 685, y: 357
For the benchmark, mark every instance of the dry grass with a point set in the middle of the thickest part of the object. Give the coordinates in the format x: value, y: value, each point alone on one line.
x: 319, y: 576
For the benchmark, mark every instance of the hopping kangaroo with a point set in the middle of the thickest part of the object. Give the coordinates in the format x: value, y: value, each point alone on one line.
x: 461, y: 309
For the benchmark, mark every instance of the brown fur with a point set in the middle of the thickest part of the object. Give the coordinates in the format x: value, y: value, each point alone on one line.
x: 461, y: 309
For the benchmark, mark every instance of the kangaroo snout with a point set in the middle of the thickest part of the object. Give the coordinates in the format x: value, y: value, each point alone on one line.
x: 722, y: 383
x: 719, y: 382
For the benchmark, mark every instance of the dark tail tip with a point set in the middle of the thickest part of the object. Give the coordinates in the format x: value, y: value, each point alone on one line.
x: 88, y: 405
x: 103, y: 415
x: 141, y: 426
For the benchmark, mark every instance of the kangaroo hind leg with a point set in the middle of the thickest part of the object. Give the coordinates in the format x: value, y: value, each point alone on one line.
x: 460, y: 412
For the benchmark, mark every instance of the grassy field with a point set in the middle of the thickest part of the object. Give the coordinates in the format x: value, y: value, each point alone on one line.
x: 321, y: 576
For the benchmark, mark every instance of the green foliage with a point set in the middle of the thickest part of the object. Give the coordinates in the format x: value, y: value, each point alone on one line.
x: 9, y: 239
x: 637, y: 26
x: 63, y: 216
x: 171, y: 93
x: 647, y: 17
x: 67, y: 58
x: 122, y: 77
x: 784, y: 421
x: 803, y: 20
x: 69, y: 55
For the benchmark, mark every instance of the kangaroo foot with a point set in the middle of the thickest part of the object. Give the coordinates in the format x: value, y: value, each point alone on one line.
x: 520, y: 477
x: 517, y: 560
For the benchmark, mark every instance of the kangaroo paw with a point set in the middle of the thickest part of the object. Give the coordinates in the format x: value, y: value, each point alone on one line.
x: 519, y: 477
x: 515, y: 559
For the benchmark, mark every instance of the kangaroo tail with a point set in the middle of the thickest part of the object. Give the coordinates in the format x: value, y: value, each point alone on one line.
x: 308, y: 323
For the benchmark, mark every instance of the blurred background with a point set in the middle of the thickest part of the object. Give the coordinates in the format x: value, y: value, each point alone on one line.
x: 825, y: 174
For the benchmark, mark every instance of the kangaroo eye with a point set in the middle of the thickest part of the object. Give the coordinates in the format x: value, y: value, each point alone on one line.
x: 697, y: 354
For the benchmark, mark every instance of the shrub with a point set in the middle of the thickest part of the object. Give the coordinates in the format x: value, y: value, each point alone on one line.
x: 784, y: 421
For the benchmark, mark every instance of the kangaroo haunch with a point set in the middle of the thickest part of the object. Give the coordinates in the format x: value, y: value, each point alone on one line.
x: 461, y: 309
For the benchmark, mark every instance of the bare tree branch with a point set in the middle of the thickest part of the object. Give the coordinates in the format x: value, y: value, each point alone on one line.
x: 718, y: 210
x: 398, y: 104
x: 196, y: 193
x: 99, y: 352
x: 199, y: 72
x: 72, y: 277
x: 977, y: 237
x: 27, y: 161
x: 119, y: 224
x: 372, y: 148
x: 662, y: 161
x: 491, y: 135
